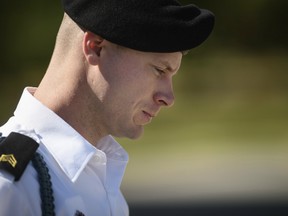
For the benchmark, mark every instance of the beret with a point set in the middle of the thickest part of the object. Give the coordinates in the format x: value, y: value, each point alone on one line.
x: 144, y: 25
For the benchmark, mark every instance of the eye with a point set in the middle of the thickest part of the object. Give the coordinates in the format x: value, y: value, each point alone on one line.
x: 159, y: 71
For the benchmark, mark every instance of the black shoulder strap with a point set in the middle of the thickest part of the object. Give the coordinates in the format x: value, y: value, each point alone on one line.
x: 16, y: 150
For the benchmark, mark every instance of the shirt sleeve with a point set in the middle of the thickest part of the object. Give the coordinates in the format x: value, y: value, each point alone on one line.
x: 12, y: 200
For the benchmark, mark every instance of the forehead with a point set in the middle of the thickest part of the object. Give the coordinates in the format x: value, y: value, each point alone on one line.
x: 169, y: 61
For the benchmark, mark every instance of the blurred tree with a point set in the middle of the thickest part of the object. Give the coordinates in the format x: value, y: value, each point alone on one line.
x: 257, y: 24
x: 27, y: 34
x: 28, y: 28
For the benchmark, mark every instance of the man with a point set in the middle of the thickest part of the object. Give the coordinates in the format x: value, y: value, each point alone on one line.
x: 110, y: 74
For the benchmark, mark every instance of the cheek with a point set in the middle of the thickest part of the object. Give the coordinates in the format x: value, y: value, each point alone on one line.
x: 138, y: 88
x: 128, y: 98
x: 98, y: 85
x: 132, y: 83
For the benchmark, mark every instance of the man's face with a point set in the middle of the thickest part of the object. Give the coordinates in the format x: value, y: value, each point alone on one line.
x: 131, y: 88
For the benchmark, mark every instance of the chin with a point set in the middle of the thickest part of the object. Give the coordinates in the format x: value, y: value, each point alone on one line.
x: 135, y: 137
x: 135, y: 134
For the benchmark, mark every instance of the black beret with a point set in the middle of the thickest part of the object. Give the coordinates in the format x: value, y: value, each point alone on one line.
x: 144, y: 25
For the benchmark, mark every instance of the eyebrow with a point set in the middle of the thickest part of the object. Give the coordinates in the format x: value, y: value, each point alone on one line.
x: 167, y: 66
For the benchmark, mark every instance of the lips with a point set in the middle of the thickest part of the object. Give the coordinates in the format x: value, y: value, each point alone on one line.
x: 147, y: 117
x: 149, y: 114
x: 144, y: 117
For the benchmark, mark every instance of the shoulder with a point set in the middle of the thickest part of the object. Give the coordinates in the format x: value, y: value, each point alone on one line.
x: 13, y: 199
x: 13, y: 165
x: 16, y: 151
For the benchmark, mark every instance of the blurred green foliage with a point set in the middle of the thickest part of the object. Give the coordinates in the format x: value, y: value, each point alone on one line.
x: 231, y: 92
x: 243, y: 62
x: 255, y: 25
x: 28, y: 29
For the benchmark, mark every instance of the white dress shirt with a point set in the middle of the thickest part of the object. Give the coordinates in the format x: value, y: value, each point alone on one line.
x: 85, y: 179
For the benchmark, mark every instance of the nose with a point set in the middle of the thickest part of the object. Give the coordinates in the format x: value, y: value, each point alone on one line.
x: 164, y: 99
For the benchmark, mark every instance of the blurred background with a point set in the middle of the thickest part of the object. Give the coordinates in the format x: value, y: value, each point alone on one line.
x: 223, y: 147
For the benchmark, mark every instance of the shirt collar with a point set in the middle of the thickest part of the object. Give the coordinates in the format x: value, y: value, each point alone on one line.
x: 71, y: 151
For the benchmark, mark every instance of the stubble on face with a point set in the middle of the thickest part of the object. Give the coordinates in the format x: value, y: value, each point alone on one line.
x: 127, y: 102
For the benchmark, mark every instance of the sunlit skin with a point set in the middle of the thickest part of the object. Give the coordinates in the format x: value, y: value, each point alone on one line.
x: 134, y: 87
x: 101, y: 89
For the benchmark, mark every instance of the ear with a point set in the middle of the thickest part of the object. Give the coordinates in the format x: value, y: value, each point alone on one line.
x: 92, y: 46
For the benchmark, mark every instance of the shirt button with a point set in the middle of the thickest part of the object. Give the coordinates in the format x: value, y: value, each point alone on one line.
x: 96, y: 159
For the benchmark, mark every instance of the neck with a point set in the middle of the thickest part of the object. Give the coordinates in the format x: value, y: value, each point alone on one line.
x: 66, y: 92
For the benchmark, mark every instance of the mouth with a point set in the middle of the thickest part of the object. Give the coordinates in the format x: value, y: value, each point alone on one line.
x: 144, y: 117
x: 148, y: 116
